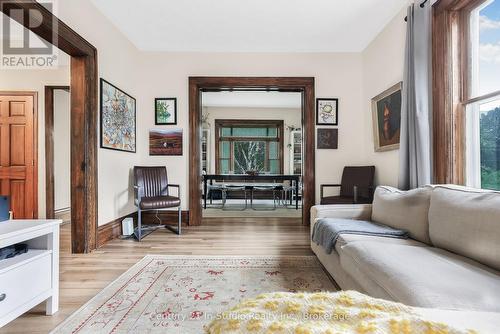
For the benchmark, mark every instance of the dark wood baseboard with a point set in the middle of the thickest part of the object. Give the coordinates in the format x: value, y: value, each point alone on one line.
x: 113, y: 229
x: 167, y: 218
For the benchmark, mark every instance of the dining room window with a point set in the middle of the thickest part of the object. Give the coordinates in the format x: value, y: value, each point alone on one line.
x: 483, y: 105
x: 249, y: 146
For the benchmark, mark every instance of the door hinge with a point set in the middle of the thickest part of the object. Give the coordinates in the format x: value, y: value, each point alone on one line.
x: 33, y: 163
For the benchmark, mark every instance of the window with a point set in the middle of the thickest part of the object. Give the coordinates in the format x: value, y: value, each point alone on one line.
x: 483, y: 106
x: 249, y: 145
x: 485, y: 48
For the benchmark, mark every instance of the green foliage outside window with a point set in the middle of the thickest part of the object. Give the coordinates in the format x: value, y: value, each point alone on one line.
x: 490, y: 149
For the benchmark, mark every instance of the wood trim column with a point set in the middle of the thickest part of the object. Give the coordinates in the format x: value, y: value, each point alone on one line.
x: 83, y: 153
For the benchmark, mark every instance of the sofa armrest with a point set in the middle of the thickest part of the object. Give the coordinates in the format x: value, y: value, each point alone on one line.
x: 346, y: 211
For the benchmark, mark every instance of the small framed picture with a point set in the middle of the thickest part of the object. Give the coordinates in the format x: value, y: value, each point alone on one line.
x: 328, y: 139
x: 166, y: 111
x: 327, y: 111
x: 165, y: 142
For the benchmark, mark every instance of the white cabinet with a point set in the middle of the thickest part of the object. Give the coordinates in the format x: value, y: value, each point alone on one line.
x: 296, y: 152
x: 205, y: 150
x: 28, y: 279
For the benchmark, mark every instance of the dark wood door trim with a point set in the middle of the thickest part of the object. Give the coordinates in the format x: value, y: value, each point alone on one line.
x: 49, y: 149
x: 305, y: 85
x: 84, y: 112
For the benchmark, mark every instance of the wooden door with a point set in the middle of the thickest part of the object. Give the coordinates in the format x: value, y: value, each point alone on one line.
x: 18, y: 152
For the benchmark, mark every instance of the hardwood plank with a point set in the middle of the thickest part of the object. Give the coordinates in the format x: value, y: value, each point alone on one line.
x: 82, y: 276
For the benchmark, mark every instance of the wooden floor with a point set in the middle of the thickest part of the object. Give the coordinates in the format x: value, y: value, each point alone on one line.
x: 83, y: 276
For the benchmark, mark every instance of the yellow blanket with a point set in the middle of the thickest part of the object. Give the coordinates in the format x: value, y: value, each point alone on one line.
x: 324, y: 313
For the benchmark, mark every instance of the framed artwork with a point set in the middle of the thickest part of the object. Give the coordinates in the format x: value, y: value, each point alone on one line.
x: 166, y: 111
x: 328, y: 139
x: 327, y: 111
x: 386, y: 111
x: 118, y: 122
x: 165, y: 142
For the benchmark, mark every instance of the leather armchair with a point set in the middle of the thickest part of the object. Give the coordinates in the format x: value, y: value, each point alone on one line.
x: 152, y: 193
x: 357, y: 187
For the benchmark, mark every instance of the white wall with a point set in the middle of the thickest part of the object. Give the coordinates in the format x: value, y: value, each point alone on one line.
x: 337, y: 75
x: 36, y: 80
x: 290, y: 117
x: 118, y: 64
x: 383, y: 62
x: 354, y: 78
x: 62, y: 150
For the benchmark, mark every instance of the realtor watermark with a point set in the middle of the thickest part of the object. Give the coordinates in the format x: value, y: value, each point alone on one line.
x: 21, y: 47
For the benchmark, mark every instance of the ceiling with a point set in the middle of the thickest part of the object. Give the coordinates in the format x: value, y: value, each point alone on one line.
x: 249, y: 99
x: 250, y: 25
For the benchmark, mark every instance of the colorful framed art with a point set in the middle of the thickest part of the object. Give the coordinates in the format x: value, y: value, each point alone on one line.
x: 118, y: 118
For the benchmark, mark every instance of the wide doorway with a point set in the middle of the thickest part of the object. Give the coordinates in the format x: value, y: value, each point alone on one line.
x: 251, y: 154
x: 251, y: 147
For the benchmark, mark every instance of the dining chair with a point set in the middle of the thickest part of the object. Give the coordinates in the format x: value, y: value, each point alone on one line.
x: 228, y: 188
x: 273, y: 187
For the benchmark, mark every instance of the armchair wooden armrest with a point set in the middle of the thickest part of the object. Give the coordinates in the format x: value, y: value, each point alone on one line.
x: 327, y: 186
x: 178, y: 189
x: 370, y: 189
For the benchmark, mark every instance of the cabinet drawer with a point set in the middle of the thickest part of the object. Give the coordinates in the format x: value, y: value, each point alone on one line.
x: 25, y: 282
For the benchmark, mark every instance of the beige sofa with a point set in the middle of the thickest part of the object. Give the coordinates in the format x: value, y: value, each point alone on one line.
x: 451, y: 262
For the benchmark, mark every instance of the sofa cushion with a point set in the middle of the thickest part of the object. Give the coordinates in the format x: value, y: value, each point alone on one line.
x: 406, y: 210
x: 422, y: 276
x: 345, y: 239
x: 466, y: 222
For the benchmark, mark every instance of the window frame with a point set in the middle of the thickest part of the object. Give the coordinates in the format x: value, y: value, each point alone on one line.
x: 248, y: 123
x: 452, y: 90
x: 473, y: 139
x: 472, y: 101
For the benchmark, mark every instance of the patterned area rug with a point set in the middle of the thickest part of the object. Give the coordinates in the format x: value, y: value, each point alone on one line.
x: 181, y: 294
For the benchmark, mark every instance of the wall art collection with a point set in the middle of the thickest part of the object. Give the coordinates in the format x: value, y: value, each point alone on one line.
x: 327, y: 114
x: 118, y: 122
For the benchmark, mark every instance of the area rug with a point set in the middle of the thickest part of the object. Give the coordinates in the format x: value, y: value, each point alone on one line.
x: 181, y: 294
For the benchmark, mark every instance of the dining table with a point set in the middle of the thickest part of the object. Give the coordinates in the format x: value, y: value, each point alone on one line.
x: 249, y: 180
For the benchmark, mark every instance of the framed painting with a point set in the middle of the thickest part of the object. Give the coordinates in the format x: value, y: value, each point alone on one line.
x: 118, y: 118
x: 328, y: 139
x: 327, y: 111
x: 165, y: 142
x: 386, y: 111
x: 166, y: 111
